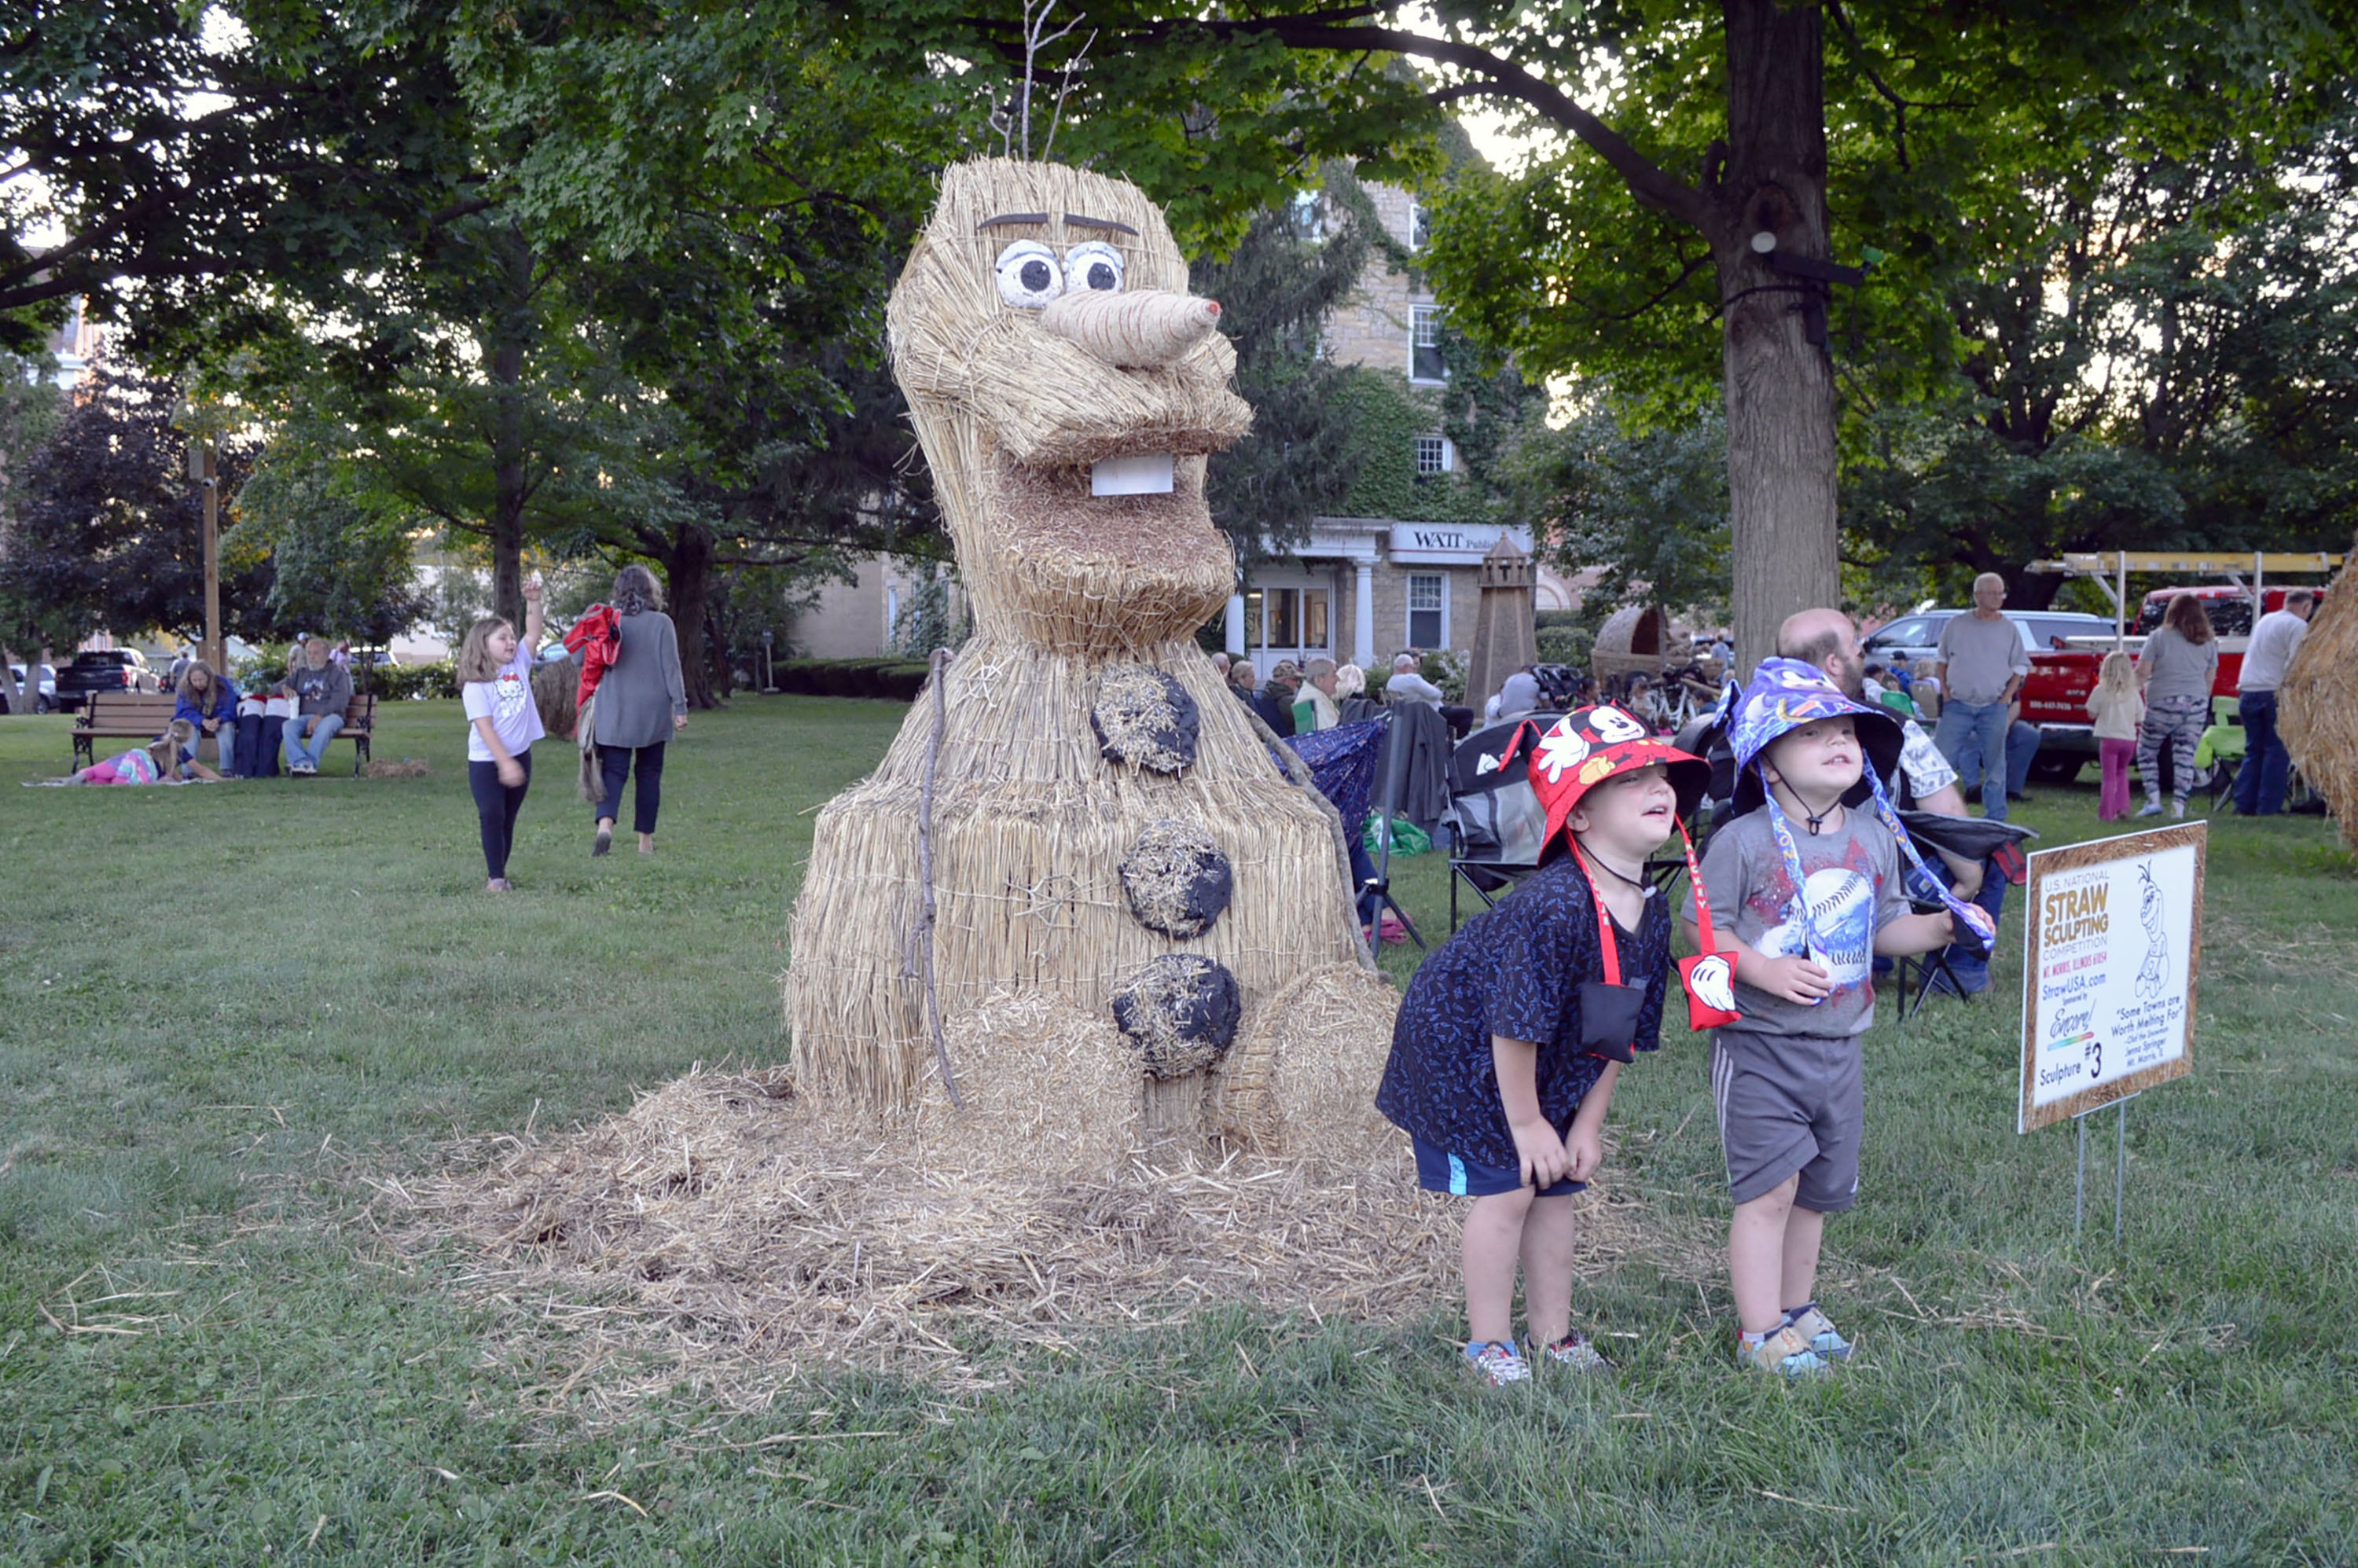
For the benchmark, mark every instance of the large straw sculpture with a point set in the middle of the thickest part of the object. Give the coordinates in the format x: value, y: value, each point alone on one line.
x: 1087, y: 813
x: 2318, y: 703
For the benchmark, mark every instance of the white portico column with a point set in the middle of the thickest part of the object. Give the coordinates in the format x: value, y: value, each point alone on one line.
x: 1363, y: 618
x: 1233, y: 634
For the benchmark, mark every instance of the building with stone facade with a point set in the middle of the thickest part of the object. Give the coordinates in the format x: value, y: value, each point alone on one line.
x: 1363, y: 588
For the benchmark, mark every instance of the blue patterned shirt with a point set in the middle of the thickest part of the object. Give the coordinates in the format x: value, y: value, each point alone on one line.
x: 1514, y: 970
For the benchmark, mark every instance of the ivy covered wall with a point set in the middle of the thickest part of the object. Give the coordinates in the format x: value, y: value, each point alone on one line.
x: 1385, y: 414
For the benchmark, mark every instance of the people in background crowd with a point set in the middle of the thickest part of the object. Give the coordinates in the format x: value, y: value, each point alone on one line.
x: 209, y: 703
x: 2175, y: 672
x: 2119, y: 712
x: 641, y: 702
x: 1314, y: 701
x: 322, y: 691
x: 2260, y: 787
x: 1982, y: 664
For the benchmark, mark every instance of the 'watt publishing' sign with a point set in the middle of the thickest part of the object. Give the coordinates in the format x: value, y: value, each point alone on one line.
x: 2115, y: 937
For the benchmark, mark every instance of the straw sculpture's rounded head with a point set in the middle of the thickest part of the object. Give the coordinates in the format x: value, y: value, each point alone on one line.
x: 1067, y: 388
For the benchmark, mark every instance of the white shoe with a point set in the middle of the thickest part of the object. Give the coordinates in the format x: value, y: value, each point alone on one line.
x: 2150, y: 808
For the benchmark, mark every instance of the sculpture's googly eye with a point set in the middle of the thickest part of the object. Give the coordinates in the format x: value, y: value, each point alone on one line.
x: 1093, y: 263
x: 1028, y: 275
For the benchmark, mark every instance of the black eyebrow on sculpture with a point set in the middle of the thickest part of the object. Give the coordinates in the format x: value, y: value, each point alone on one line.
x: 1011, y: 217
x: 1074, y: 220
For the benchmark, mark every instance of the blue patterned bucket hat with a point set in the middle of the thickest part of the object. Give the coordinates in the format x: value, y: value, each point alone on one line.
x: 1782, y: 696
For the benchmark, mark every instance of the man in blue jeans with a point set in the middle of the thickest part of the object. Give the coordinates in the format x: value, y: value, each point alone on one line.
x: 1982, y: 663
x: 2267, y: 766
x: 322, y: 691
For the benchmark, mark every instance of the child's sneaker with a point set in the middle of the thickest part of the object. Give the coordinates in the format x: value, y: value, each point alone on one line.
x: 1571, y: 1351
x: 1498, y: 1362
x: 1818, y: 1332
x: 1784, y: 1352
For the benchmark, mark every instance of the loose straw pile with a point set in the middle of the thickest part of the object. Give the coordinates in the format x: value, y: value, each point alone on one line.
x: 724, y: 1213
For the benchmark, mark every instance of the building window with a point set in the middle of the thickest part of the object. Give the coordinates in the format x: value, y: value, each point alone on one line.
x: 1307, y: 216
x: 1419, y: 225
x: 1424, y: 344
x: 1255, y: 636
x: 1428, y: 611
x: 1435, y: 455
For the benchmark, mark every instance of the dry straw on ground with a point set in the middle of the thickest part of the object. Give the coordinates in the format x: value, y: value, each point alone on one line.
x: 2317, y: 711
x: 753, y: 1237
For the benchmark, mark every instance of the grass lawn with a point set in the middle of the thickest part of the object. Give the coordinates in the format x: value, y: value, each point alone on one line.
x: 222, y: 1009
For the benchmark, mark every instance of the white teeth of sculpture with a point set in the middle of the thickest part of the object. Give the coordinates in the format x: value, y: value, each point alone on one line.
x: 1141, y: 473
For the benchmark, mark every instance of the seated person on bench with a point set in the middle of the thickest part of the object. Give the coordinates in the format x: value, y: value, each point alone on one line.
x: 322, y: 691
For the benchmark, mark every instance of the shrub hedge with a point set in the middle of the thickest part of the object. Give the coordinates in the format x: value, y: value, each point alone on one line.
x: 398, y: 682
x: 898, y: 680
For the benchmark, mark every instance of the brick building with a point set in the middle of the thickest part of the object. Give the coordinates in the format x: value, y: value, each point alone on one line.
x: 1361, y: 588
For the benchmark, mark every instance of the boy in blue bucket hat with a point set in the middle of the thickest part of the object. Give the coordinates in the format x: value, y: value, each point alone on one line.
x: 1807, y: 871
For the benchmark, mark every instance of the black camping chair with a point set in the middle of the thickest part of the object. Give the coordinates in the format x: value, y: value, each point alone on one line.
x: 1498, y: 829
x: 1998, y: 845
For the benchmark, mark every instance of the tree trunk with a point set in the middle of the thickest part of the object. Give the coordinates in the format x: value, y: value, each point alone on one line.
x: 509, y: 491
x: 687, y: 570
x: 1781, y: 456
x: 25, y: 699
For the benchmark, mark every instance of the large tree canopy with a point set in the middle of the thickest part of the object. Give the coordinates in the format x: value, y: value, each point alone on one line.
x: 1709, y: 159
x: 109, y: 531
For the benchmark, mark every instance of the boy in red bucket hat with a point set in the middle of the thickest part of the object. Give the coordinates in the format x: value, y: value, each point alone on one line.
x: 1806, y: 873
x: 1512, y: 1034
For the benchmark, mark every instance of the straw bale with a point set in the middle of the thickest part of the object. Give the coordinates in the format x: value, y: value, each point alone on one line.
x: 2318, y: 703
x: 1302, y: 1077
x: 1030, y: 826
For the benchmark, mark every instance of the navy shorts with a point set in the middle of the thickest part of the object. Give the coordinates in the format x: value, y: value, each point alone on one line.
x: 1438, y: 1171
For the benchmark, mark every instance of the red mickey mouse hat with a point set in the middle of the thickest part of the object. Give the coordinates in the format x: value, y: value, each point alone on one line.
x: 1589, y: 745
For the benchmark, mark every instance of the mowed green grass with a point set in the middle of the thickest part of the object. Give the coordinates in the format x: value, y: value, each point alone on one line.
x: 221, y: 1008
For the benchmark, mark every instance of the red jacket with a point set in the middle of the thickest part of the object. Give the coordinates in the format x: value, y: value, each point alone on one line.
x: 598, y: 638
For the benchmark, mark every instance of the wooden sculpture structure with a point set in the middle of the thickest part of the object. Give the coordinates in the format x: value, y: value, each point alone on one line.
x: 1089, y: 815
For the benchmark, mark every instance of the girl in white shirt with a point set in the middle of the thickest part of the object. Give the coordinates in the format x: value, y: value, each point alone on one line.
x: 503, y: 721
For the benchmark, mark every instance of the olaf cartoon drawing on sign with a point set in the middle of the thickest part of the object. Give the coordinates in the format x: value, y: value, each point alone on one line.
x: 2153, y: 975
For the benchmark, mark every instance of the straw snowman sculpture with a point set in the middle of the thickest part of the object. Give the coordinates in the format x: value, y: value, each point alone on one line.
x: 1105, y: 827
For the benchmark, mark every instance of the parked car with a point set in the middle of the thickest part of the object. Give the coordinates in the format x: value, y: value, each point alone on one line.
x: 104, y: 669
x: 44, y: 699
x: 1918, y: 637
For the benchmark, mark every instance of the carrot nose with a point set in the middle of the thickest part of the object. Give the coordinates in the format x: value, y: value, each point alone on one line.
x: 1146, y: 330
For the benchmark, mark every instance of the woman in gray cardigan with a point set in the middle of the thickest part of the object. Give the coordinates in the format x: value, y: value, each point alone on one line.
x: 641, y: 702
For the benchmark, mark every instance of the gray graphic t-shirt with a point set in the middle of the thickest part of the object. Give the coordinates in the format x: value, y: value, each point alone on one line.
x: 1851, y: 875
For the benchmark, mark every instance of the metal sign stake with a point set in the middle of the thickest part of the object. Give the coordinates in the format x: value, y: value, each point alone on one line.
x: 2120, y: 1169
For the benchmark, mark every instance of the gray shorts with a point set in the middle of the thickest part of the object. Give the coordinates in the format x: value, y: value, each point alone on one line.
x: 1789, y: 1103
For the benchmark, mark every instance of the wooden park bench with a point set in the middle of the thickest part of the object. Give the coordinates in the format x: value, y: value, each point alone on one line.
x: 142, y: 715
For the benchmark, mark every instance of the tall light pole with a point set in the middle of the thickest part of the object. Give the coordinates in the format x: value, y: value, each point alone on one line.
x: 201, y: 468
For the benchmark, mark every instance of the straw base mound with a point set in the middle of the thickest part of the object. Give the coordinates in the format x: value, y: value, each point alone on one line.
x: 762, y: 1235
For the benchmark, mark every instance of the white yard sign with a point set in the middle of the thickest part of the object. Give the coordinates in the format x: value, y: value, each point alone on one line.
x: 2115, y: 933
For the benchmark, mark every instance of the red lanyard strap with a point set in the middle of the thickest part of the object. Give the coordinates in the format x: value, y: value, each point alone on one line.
x: 1611, y: 949
x: 1701, y: 897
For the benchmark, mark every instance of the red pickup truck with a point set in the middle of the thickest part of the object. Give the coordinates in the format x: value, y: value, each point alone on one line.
x: 2055, y: 696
